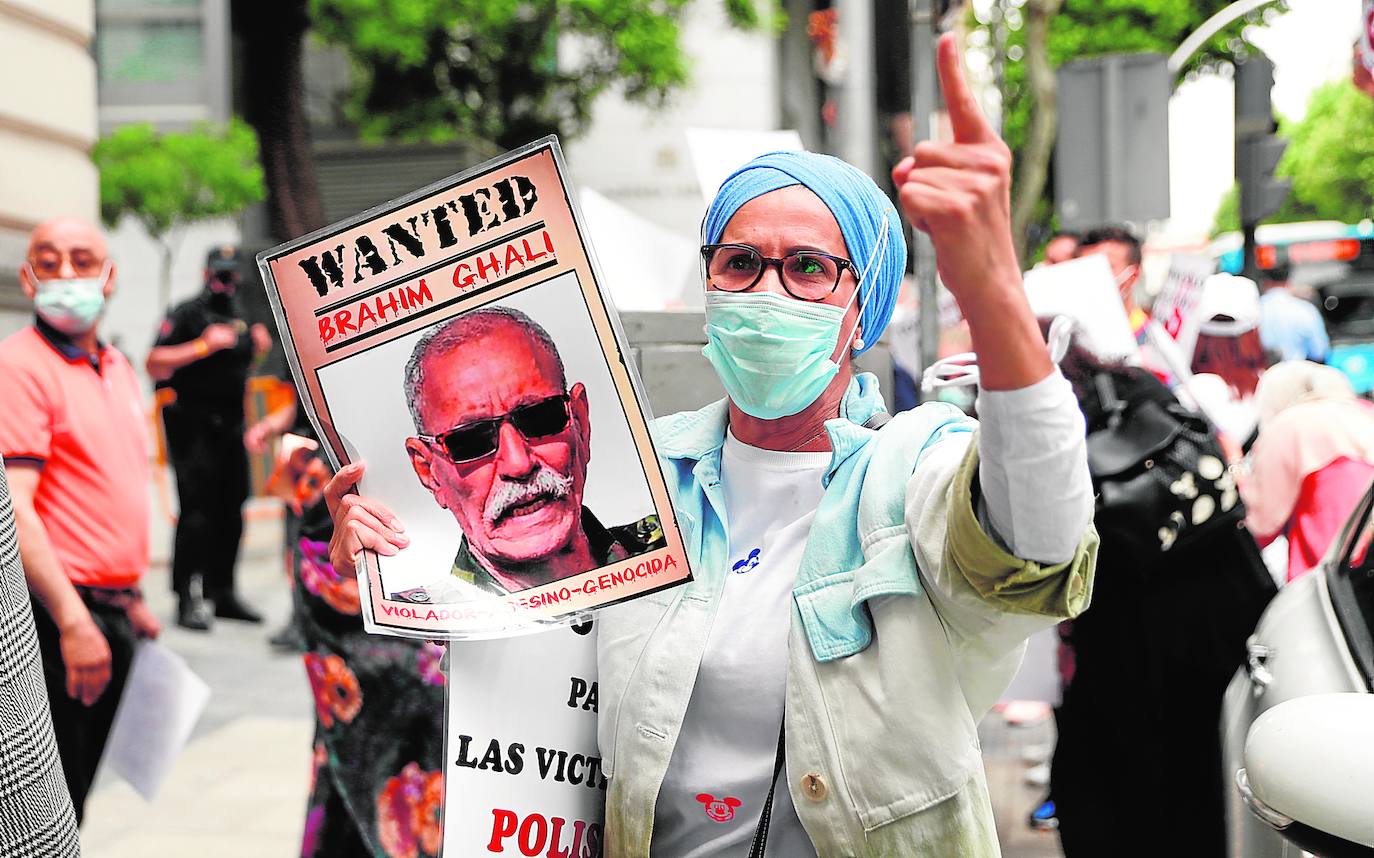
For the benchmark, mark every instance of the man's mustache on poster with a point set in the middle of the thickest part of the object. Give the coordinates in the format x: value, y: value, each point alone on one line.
x: 546, y: 484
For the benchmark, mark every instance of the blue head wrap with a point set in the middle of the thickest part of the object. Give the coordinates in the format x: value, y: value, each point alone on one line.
x: 861, y: 209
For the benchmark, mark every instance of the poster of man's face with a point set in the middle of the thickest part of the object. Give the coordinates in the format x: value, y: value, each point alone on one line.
x: 500, y: 440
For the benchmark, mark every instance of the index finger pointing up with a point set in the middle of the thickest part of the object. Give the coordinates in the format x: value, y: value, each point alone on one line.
x: 965, y: 116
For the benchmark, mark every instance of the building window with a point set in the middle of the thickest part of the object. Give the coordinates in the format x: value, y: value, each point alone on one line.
x: 161, y: 60
x: 152, y: 54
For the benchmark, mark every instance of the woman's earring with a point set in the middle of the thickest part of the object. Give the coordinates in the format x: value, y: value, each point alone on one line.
x: 858, y: 342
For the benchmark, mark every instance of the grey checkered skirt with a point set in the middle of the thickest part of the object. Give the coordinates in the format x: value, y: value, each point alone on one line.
x: 36, y: 817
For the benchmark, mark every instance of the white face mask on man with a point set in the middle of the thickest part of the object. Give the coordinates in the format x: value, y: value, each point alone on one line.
x: 71, y: 305
x: 1125, y: 281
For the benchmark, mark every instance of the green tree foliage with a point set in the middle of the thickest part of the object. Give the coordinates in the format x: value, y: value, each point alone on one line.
x: 506, y: 71
x: 1330, y: 159
x: 1094, y: 28
x: 1089, y: 28
x: 1227, y: 217
x: 166, y: 181
x: 1330, y: 154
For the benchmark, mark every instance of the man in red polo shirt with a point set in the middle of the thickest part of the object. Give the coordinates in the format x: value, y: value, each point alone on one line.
x: 73, y: 440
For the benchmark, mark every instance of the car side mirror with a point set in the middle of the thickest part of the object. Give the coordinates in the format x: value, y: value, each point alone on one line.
x: 1309, y: 772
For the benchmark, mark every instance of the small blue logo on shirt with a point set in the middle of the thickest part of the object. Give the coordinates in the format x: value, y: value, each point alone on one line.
x: 747, y: 563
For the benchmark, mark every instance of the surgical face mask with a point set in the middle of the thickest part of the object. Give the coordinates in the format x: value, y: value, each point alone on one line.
x: 71, y: 306
x: 774, y: 353
x: 1126, y: 274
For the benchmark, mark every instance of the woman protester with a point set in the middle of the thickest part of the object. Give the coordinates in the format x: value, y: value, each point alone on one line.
x: 1228, y: 358
x: 1312, y: 462
x: 376, y: 781
x: 861, y: 595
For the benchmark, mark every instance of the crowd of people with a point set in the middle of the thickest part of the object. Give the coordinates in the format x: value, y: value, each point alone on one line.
x: 1125, y: 501
x: 1270, y: 444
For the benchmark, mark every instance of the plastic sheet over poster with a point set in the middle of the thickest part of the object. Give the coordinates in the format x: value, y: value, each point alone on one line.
x: 459, y: 342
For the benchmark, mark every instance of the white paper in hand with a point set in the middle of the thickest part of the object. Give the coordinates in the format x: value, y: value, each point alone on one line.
x: 162, y: 701
x: 1084, y: 290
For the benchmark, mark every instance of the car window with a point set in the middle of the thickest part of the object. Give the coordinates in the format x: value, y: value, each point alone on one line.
x: 1350, y: 583
x: 1357, y: 556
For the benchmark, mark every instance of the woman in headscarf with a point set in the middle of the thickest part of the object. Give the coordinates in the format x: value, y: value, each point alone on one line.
x: 861, y: 596
x: 1312, y: 462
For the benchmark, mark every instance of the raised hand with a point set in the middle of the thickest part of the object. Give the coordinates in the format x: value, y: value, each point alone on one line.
x: 960, y: 194
x: 262, y: 339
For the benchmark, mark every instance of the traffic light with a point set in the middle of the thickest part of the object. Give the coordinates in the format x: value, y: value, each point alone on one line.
x: 1254, y: 82
x: 1261, y: 194
x: 1257, y: 150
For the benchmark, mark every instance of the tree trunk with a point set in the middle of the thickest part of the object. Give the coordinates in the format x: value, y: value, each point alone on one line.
x: 272, y: 37
x: 1033, y: 169
x: 165, y: 287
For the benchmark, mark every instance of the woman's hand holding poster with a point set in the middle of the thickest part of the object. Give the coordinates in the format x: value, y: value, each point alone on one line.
x: 457, y: 340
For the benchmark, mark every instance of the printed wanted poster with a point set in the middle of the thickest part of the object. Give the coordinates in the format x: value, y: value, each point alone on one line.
x: 523, y: 774
x: 457, y: 341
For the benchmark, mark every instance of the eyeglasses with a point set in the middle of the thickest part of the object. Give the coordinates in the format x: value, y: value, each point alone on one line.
x: 46, y: 263
x: 478, y: 439
x: 808, y: 275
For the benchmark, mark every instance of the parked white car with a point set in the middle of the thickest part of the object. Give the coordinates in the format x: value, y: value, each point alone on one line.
x: 1304, y: 783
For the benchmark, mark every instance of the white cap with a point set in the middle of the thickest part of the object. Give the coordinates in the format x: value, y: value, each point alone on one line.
x: 1228, y: 295
x: 1222, y: 294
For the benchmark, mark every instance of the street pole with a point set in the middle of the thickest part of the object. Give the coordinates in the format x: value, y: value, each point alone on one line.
x: 922, y: 115
x: 857, y: 102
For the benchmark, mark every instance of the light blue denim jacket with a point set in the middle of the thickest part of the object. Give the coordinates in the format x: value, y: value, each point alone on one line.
x: 907, y: 622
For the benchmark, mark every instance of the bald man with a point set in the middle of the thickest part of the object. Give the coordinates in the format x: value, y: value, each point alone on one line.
x: 73, y: 441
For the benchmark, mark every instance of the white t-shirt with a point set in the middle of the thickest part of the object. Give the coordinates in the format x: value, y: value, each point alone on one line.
x: 723, y: 760
x: 1036, y: 500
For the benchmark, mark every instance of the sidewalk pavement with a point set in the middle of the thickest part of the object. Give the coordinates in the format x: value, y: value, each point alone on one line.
x: 1009, y: 753
x: 239, y: 788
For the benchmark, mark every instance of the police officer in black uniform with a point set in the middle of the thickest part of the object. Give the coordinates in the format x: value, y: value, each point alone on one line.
x: 203, y: 353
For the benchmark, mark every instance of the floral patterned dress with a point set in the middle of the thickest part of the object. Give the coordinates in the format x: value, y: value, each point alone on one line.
x: 377, y: 788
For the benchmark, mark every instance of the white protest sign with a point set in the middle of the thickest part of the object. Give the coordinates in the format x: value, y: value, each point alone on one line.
x: 1084, y: 290
x: 523, y: 772
x: 1182, y: 289
x: 162, y: 701
x: 718, y: 152
x: 632, y: 246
